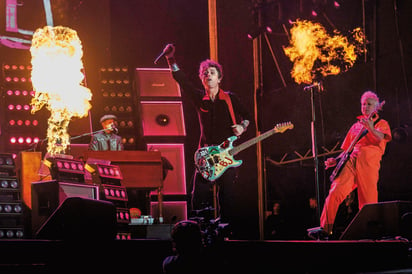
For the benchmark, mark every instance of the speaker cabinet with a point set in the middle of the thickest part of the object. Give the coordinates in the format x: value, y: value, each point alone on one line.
x: 172, y: 211
x: 48, y: 195
x: 80, y: 219
x: 163, y: 118
x: 175, y: 181
x: 152, y: 83
x: 381, y: 220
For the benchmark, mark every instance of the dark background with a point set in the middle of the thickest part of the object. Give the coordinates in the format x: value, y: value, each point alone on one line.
x: 133, y: 33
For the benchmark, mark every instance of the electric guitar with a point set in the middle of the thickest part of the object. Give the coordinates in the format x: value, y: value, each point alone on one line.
x: 213, y: 161
x: 346, y: 154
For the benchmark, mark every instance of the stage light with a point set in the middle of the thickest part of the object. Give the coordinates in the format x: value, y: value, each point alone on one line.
x: 9, y: 183
x: 11, y: 233
x: 10, y: 208
x: 66, y: 170
x: 113, y: 192
x: 105, y: 174
x: 122, y: 215
x: 258, y: 31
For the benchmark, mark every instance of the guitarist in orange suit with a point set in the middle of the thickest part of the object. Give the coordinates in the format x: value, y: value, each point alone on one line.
x: 367, y: 138
x: 221, y: 115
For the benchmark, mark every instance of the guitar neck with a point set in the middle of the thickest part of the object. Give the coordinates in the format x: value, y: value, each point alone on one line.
x: 252, y: 141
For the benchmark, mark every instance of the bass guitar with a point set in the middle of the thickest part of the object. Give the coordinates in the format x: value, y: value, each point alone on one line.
x: 213, y: 161
x: 344, y: 157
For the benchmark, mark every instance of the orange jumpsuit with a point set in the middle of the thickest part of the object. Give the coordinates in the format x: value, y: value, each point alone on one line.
x: 361, y: 171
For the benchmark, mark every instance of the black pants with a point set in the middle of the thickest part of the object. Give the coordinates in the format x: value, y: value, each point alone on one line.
x: 203, y: 195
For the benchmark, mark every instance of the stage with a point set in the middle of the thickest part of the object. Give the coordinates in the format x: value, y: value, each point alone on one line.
x: 231, y: 256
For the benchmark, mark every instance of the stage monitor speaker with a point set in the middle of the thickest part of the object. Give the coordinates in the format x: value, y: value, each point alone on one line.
x: 175, y: 181
x: 80, y: 219
x: 163, y: 118
x: 48, y: 195
x: 380, y: 221
x: 156, y: 82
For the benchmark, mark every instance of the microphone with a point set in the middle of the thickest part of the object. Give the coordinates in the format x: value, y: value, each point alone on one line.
x: 165, y: 51
x: 114, y: 128
x: 314, y: 85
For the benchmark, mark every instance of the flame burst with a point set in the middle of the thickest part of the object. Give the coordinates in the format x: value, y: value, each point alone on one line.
x: 57, y: 82
x: 315, y: 54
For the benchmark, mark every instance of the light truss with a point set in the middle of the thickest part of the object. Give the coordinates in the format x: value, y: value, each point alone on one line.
x: 307, y: 156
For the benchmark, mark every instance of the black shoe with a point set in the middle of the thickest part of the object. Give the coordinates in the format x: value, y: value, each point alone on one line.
x: 318, y: 233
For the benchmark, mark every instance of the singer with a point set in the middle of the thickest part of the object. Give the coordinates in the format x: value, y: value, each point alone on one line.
x: 221, y: 115
x: 107, y: 138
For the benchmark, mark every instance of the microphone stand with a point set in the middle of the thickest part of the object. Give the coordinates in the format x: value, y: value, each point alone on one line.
x: 71, y: 138
x: 314, y: 143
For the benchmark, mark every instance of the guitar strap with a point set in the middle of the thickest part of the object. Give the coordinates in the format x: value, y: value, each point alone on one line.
x: 225, y: 96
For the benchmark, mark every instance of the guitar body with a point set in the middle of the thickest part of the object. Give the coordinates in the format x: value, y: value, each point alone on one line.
x: 213, y: 161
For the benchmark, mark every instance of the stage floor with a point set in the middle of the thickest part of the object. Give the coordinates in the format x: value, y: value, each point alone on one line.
x: 233, y: 256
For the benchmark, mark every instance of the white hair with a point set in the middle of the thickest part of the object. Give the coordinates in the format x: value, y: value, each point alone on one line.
x: 369, y: 95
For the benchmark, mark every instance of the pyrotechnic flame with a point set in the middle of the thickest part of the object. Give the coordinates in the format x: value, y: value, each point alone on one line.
x: 315, y: 54
x: 57, y: 81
